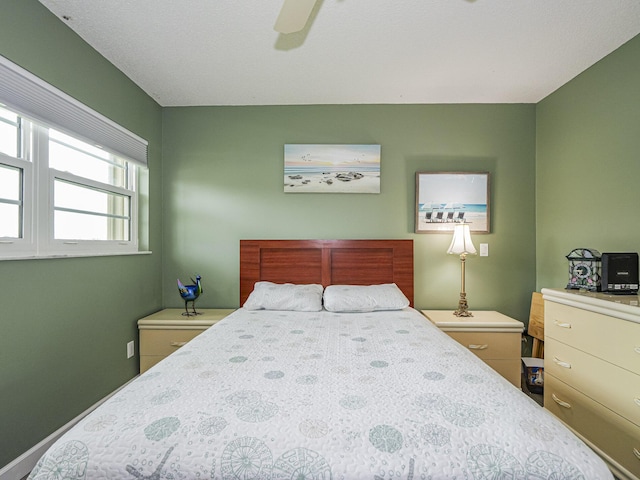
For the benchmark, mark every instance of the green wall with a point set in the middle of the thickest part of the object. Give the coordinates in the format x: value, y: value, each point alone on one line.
x: 223, y: 181
x: 64, y: 323
x: 588, y: 164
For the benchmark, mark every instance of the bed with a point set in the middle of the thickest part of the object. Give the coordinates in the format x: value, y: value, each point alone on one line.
x: 342, y: 380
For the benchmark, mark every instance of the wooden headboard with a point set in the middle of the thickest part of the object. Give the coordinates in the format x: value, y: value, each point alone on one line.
x: 327, y: 262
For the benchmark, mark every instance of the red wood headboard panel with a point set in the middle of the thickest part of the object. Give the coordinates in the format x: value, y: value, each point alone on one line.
x: 328, y: 262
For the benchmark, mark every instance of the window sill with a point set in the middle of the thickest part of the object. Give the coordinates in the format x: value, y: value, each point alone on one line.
x: 75, y: 255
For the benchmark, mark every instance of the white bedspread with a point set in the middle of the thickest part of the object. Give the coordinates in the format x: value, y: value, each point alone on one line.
x: 289, y: 395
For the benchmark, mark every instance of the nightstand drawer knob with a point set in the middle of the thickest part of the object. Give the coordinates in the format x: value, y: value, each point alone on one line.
x: 478, y: 347
x: 560, y: 363
x: 178, y: 344
x: 637, y: 349
x: 636, y: 452
x: 637, y: 400
x: 562, y: 324
x: 560, y: 402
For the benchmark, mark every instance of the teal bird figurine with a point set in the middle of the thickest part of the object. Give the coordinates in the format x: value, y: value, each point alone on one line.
x: 190, y: 293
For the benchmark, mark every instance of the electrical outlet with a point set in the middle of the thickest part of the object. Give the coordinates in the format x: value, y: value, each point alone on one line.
x: 484, y: 249
x: 131, y: 349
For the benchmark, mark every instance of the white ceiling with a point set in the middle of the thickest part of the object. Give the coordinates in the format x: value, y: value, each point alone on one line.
x: 225, y: 52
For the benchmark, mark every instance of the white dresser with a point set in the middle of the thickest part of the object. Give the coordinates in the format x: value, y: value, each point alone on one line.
x: 592, y: 372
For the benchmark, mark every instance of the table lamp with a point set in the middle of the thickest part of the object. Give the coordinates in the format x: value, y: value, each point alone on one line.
x: 462, y: 245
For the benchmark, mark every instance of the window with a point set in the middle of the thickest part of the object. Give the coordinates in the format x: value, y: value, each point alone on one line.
x: 86, y: 213
x: 10, y: 202
x: 9, y: 133
x: 93, y: 192
x: 82, y: 198
x: 14, y: 171
x: 64, y: 193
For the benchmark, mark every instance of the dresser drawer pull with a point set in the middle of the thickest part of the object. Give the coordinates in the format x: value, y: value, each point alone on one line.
x: 562, y: 364
x: 562, y: 324
x: 636, y: 452
x: 178, y: 344
x: 478, y: 347
x: 560, y: 402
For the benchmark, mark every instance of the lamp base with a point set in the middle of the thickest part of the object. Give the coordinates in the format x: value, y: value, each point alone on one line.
x: 463, y: 308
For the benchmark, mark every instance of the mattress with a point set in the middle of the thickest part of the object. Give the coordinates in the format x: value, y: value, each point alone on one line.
x: 320, y: 395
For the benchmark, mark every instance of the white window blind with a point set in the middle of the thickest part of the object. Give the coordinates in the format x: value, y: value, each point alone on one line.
x: 22, y: 91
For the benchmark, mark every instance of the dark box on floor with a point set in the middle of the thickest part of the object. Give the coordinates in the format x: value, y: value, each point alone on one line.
x: 534, y: 373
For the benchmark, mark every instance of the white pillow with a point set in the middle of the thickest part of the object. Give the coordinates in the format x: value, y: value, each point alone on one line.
x: 364, y: 298
x: 285, y: 296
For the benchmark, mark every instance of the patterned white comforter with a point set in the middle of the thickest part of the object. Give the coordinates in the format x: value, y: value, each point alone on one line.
x: 290, y: 395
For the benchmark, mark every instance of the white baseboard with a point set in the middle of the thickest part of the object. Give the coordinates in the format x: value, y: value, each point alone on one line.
x: 22, y: 466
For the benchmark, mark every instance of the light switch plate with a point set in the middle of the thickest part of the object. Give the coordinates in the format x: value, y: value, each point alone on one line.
x: 484, y: 249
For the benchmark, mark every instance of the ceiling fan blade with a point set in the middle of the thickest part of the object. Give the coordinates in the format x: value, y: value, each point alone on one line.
x: 294, y: 15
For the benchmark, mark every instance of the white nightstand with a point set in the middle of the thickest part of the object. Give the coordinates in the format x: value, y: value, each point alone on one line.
x: 163, y: 332
x: 492, y: 336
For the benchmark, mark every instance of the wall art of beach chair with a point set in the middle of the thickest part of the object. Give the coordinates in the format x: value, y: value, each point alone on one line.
x: 427, y: 216
x: 450, y: 216
x: 439, y: 216
x: 460, y: 217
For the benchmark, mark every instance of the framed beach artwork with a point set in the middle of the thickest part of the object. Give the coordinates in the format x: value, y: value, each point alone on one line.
x: 331, y: 168
x: 446, y: 198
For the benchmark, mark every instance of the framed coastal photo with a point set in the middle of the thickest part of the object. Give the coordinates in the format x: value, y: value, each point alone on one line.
x: 446, y: 198
x: 331, y: 168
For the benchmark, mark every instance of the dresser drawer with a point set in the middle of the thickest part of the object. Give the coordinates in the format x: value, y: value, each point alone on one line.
x: 490, y: 345
x: 612, y: 386
x: 605, y: 430
x: 589, y: 332
x: 165, y: 342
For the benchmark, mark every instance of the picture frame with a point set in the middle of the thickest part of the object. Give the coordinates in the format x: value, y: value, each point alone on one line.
x: 328, y: 168
x: 446, y: 198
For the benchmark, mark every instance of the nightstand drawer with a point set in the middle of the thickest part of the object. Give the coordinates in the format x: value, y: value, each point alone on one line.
x: 164, y: 332
x: 604, y: 382
x: 165, y: 342
x: 609, y: 432
x: 490, y: 345
x: 492, y: 336
x: 587, y: 331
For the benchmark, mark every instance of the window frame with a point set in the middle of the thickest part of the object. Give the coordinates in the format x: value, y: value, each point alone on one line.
x: 38, y: 206
x: 45, y: 106
x: 24, y: 243
x: 62, y: 244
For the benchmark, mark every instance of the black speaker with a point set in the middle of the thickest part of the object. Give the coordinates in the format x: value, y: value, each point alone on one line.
x: 619, y: 273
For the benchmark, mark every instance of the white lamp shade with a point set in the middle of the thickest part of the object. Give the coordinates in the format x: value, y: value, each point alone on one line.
x: 461, y: 242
